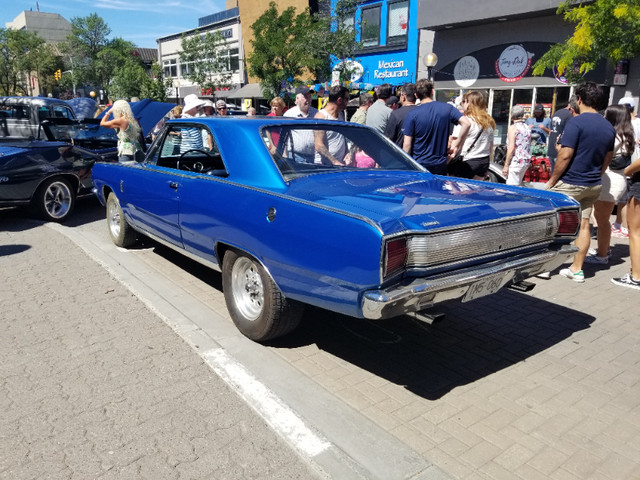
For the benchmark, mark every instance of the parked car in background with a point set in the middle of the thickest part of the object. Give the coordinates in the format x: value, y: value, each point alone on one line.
x: 20, y: 117
x: 375, y: 243
x: 48, y: 176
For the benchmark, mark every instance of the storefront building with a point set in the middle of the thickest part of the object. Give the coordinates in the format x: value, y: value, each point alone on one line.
x: 492, y: 46
x: 389, y: 35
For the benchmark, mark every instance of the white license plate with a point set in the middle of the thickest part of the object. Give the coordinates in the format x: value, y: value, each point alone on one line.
x: 483, y: 287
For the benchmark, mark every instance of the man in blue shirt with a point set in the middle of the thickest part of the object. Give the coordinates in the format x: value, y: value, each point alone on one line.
x: 427, y: 127
x: 586, y: 150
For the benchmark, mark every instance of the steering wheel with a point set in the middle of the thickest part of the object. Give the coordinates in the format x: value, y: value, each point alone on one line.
x: 188, y: 152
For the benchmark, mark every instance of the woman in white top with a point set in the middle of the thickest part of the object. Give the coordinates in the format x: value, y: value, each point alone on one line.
x: 614, y: 182
x: 479, y: 142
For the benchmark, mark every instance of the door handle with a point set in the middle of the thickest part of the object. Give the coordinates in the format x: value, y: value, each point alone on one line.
x: 173, y: 185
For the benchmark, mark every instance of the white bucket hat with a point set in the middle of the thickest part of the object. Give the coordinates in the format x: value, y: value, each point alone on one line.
x: 192, y: 101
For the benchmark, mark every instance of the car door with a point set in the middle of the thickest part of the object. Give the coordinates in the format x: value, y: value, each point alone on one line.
x: 151, y: 192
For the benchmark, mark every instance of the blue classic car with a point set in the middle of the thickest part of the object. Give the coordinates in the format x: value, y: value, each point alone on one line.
x: 331, y: 214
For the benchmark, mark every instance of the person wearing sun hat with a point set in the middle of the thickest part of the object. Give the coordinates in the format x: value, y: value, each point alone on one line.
x: 191, y: 105
x: 191, y: 138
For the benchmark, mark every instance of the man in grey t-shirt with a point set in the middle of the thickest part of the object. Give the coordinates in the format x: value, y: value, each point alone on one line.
x: 378, y: 113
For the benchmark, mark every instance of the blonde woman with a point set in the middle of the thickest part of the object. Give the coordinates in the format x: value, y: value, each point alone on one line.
x: 479, y: 142
x: 127, y: 129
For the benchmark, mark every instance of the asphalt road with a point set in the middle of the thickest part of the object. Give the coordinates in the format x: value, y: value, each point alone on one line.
x: 513, y: 386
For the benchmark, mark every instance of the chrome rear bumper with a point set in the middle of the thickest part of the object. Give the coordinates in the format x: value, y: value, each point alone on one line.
x: 420, y: 293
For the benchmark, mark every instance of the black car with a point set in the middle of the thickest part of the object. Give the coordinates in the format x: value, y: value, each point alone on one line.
x: 48, y: 176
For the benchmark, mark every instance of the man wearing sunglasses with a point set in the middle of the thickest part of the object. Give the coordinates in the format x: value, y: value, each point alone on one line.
x: 221, y: 107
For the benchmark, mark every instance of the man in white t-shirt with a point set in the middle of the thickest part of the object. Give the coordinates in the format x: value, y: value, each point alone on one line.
x: 301, y: 142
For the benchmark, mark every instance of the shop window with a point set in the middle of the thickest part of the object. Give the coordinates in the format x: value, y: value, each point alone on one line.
x: 398, y: 22
x: 370, y: 26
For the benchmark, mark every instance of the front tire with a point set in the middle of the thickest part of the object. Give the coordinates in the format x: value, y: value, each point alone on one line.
x: 55, y: 199
x: 256, y: 305
x: 119, y: 229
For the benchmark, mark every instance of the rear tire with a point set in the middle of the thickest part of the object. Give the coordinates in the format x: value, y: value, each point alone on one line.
x: 256, y: 305
x: 55, y: 199
x: 119, y: 229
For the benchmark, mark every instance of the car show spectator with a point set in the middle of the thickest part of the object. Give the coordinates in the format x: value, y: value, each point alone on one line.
x: 426, y: 130
x: 539, y: 124
x: 360, y: 115
x: 301, y: 143
x: 277, y: 107
x: 631, y: 279
x: 587, y: 148
x: 393, y: 131
x: 558, y: 121
x: 518, y: 156
x: 221, y: 108
x: 128, y: 131
x: 614, y: 182
x: 378, y: 113
x: 479, y: 142
x: 331, y: 146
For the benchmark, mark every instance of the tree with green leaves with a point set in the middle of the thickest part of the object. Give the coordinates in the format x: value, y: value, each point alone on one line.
x: 604, y: 29
x: 206, y: 60
x: 335, y: 40
x: 282, y: 52
x: 156, y: 88
x: 25, y: 56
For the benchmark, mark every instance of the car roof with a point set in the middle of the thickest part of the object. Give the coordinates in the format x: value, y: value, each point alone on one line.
x: 33, y: 100
x: 242, y: 146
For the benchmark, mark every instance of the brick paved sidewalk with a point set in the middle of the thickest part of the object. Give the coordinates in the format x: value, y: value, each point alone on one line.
x: 94, y: 386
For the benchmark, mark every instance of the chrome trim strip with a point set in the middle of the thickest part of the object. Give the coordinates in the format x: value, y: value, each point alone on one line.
x: 418, y: 294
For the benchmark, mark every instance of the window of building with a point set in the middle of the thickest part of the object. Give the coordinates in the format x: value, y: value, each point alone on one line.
x: 398, y: 22
x: 170, y: 68
x: 230, y: 59
x: 370, y: 26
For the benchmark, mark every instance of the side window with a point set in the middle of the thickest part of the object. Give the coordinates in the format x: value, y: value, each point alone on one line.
x: 188, y: 147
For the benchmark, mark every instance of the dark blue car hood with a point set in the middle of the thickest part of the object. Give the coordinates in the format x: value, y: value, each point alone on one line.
x: 398, y: 201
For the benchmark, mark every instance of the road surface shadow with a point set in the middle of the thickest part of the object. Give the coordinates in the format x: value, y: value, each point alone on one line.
x: 473, y: 341
x: 19, y: 219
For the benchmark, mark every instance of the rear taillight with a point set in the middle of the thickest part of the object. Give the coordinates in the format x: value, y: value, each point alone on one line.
x: 395, y: 256
x: 569, y: 222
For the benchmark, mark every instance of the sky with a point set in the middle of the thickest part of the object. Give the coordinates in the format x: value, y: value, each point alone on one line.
x: 138, y: 21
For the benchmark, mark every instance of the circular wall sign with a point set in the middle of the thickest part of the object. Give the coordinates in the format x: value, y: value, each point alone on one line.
x: 466, y: 71
x: 513, y: 64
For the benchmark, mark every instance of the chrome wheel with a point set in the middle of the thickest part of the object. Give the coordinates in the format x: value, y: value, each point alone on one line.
x: 113, y: 219
x: 247, y: 288
x: 57, y: 200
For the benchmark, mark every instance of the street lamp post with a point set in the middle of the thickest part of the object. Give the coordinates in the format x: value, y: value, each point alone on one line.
x: 430, y: 60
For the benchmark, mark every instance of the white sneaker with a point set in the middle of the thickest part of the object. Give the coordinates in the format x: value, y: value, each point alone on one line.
x: 576, y: 277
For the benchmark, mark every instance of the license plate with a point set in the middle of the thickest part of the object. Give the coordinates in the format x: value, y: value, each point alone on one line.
x: 483, y: 287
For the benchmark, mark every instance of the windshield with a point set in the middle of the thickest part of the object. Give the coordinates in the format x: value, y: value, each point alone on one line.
x: 307, y: 149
